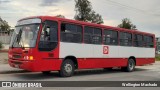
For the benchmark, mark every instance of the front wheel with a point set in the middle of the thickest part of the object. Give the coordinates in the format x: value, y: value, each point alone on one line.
x: 67, y: 68
x: 130, y: 66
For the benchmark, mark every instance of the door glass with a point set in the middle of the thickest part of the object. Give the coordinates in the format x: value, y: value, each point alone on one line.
x: 49, y: 36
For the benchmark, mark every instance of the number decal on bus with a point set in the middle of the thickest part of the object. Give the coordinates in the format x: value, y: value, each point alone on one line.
x: 105, y: 50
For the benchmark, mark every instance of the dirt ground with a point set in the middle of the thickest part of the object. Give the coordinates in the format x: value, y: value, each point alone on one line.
x: 3, y: 58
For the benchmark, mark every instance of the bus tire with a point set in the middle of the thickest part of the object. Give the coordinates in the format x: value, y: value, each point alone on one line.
x: 130, y: 66
x: 67, y: 68
x: 46, y: 72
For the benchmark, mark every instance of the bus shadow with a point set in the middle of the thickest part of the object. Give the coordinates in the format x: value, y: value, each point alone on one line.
x: 37, y: 76
x: 104, y: 71
x: 13, y: 72
x: 95, y: 71
x: 55, y: 74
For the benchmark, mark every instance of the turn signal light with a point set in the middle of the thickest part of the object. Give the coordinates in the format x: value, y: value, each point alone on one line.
x: 30, y: 57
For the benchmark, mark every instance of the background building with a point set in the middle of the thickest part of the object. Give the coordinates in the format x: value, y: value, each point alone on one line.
x: 5, y: 32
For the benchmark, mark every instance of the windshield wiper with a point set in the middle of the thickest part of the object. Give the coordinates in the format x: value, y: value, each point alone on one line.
x: 20, y: 41
x: 15, y: 39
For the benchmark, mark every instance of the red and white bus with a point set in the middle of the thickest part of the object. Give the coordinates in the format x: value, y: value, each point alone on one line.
x: 45, y: 43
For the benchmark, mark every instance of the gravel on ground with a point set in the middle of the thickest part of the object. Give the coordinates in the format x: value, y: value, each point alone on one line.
x: 3, y: 58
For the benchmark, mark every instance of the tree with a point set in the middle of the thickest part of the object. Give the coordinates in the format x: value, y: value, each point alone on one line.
x: 96, y: 18
x: 4, y: 26
x: 127, y: 24
x: 85, y: 13
x: 60, y: 16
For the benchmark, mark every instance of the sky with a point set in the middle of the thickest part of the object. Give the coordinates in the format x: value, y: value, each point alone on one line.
x: 145, y: 14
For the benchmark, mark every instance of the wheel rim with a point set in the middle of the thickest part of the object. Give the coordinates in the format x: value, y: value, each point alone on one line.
x: 131, y: 65
x: 68, y: 68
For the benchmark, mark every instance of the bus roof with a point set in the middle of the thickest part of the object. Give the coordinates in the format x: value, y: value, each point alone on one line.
x: 89, y: 24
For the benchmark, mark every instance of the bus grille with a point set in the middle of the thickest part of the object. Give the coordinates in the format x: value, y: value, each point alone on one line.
x: 17, y: 56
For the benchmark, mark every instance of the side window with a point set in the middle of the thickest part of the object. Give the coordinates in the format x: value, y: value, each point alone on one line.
x: 88, y: 32
x: 45, y: 34
x: 138, y: 40
x: 125, y: 39
x: 148, y: 41
x: 71, y: 33
x: 97, y: 36
x: 49, y: 36
x: 110, y: 37
x: 92, y: 35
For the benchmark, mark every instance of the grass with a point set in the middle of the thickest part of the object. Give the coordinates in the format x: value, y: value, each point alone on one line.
x: 1, y: 46
x: 157, y: 57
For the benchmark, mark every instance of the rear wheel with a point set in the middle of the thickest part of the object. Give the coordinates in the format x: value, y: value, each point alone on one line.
x: 130, y: 66
x: 67, y: 68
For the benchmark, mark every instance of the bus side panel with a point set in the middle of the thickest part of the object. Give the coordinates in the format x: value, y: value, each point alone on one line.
x: 137, y: 52
x: 101, y: 56
x: 101, y: 63
x: 143, y: 61
x: 48, y: 65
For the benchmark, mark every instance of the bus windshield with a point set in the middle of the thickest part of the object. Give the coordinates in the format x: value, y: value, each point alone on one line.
x: 25, y: 35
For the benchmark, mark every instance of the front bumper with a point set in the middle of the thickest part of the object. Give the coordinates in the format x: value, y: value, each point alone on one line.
x: 36, y: 65
x: 26, y: 65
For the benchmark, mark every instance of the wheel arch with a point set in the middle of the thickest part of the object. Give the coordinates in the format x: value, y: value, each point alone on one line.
x: 74, y: 59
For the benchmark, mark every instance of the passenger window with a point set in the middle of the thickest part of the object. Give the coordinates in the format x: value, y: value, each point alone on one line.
x: 97, y: 36
x: 92, y: 35
x: 88, y: 32
x: 138, y: 40
x: 71, y: 33
x: 110, y: 37
x: 148, y: 41
x: 125, y: 39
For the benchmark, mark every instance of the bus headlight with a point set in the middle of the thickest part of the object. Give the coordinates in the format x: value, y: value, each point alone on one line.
x: 28, y: 57
x: 10, y: 55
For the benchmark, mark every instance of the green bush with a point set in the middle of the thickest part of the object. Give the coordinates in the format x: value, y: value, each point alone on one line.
x: 1, y: 45
x: 158, y: 58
